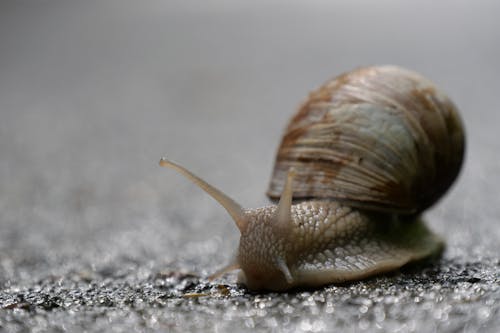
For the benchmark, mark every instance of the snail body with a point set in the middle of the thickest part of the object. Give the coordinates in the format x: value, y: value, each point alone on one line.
x: 325, y: 243
x: 364, y: 156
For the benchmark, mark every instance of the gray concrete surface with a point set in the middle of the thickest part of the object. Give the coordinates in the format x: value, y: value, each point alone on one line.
x: 95, y: 237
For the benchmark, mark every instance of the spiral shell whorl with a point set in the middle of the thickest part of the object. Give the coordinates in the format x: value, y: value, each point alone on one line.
x: 379, y: 138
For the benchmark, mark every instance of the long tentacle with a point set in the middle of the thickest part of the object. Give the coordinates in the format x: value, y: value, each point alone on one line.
x: 232, y: 207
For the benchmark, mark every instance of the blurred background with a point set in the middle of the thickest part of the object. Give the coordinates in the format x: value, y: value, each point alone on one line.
x: 93, y: 93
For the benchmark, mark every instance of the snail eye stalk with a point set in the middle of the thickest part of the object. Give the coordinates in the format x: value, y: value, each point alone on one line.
x: 283, y: 217
x: 232, y: 207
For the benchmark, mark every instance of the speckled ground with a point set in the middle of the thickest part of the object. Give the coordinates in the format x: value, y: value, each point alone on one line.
x: 95, y: 237
x: 445, y: 296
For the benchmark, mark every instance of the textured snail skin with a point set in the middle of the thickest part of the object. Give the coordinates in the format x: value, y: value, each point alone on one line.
x: 363, y: 157
x: 327, y: 243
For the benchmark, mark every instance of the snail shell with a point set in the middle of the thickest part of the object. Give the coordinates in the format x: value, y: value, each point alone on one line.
x: 359, y: 162
x: 379, y: 138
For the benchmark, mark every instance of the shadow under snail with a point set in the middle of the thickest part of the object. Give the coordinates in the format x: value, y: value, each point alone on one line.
x: 359, y: 162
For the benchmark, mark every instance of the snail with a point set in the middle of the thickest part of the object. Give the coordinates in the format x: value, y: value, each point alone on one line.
x: 359, y: 162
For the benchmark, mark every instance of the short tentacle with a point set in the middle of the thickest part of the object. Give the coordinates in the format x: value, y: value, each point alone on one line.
x: 226, y: 269
x: 285, y: 270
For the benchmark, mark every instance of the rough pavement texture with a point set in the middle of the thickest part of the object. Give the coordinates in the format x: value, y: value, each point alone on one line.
x: 95, y: 237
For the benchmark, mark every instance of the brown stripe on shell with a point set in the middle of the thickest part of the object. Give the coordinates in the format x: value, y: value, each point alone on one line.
x: 380, y: 138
